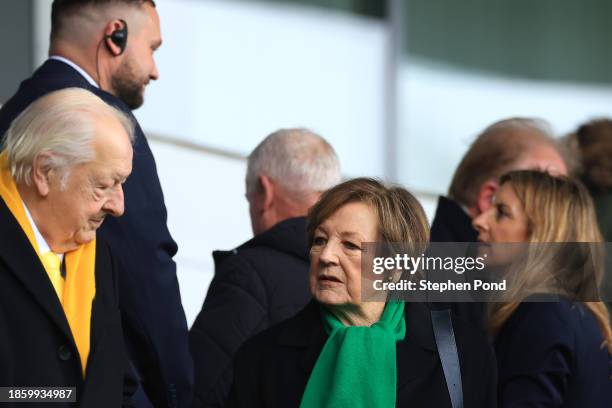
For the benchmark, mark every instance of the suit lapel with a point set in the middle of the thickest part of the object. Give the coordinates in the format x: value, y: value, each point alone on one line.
x: 23, y: 262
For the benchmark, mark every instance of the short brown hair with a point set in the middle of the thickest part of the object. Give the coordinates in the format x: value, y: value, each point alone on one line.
x: 63, y: 8
x: 400, y: 216
x: 494, y: 152
x: 593, y: 140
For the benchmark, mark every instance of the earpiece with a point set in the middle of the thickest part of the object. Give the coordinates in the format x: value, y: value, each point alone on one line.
x: 119, y: 38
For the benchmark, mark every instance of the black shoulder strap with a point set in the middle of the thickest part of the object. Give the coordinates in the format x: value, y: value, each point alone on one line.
x: 447, y: 349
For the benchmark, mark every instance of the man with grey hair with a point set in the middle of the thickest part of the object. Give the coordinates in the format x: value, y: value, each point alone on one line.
x: 107, y: 47
x: 265, y: 280
x: 510, y: 144
x: 64, y: 162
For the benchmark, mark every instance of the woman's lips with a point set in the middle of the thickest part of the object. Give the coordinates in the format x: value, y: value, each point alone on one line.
x: 329, y: 279
x: 483, y: 240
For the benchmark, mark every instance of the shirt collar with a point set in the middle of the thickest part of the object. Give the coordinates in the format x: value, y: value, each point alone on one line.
x: 43, y: 247
x: 80, y: 70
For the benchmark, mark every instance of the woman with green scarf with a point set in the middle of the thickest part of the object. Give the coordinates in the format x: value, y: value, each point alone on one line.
x: 340, y: 351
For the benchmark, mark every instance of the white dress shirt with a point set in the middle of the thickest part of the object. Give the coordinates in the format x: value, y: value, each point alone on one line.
x: 43, y: 247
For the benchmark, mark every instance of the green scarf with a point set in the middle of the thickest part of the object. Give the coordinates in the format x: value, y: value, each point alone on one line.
x: 357, y: 366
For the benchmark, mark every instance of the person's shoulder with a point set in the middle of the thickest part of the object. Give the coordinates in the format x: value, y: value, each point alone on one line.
x: 286, y: 239
x: 256, y: 253
x: 249, y: 252
x: 243, y: 271
x: 294, y: 331
x: 545, y: 314
x: 113, y: 101
x: 264, y: 339
x: 262, y: 345
x: 538, y: 326
x: 236, y: 267
x: 265, y: 257
x: 269, y: 263
x: 52, y: 76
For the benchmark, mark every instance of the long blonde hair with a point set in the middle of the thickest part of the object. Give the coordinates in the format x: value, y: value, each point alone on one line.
x: 558, y: 210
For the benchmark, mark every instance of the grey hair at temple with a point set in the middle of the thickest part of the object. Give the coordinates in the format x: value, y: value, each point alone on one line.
x: 301, y: 161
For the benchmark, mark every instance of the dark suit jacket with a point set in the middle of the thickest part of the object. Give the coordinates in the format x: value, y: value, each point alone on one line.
x: 603, y: 205
x: 273, y: 368
x: 36, y: 346
x: 153, y: 317
x: 550, y: 355
x: 257, y: 285
x: 451, y: 223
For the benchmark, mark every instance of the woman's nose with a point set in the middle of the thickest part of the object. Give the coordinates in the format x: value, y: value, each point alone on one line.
x: 328, y: 253
x: 481, y: 223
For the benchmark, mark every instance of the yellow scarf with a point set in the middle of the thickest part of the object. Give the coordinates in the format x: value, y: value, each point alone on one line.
x: 80, y: 286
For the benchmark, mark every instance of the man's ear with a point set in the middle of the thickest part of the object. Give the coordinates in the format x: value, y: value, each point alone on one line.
x: 268, y: 190
x: 485, y: 195
x: 109, y: 29
x: 41, y: 174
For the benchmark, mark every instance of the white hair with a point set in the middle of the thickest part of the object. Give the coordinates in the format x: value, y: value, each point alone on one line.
x: 301, y: 161
x: 61, y: 124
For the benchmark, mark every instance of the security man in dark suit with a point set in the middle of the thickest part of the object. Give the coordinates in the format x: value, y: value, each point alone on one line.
x: 106, y: 47
x: 61, y: 174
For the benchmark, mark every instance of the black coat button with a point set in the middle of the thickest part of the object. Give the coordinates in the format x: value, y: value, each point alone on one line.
x: 64, y: 353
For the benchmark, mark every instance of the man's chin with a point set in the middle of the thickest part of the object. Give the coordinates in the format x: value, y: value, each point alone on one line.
x: 85, y: 237
x: 133, y: 98
x: 135, y: 103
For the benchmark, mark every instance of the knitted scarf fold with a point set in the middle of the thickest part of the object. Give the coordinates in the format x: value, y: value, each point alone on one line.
x: 357, y: 366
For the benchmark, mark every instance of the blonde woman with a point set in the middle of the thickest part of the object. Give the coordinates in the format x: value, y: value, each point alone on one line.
x: 550, y: 354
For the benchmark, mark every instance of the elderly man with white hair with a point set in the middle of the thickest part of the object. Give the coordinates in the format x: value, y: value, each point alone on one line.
x: 108, y: 48
x: 62, y: 167
x: 265, y: 280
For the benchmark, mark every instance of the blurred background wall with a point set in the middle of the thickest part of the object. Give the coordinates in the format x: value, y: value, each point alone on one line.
x: 399, y: 87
